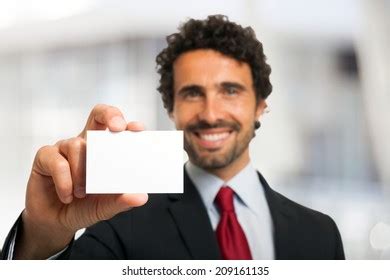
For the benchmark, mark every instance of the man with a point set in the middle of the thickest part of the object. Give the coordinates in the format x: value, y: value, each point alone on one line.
x: 214, y: 84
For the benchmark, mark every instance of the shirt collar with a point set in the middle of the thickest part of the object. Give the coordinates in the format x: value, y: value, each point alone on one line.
x: 246, y: 185
x: 206, y: 183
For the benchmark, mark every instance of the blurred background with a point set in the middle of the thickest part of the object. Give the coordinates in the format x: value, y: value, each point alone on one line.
x: 324, y: 143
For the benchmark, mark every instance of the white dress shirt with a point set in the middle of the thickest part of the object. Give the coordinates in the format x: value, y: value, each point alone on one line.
x: 249, y: 202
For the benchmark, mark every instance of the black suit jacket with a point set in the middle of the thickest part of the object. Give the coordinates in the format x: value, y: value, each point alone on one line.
x: 177, y: 226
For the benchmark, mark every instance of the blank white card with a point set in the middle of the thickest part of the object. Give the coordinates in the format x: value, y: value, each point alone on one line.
x: 134, y: 162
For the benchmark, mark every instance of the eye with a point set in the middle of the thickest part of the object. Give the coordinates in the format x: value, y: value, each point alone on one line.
x: 231, y: 91
x: 192, y: 93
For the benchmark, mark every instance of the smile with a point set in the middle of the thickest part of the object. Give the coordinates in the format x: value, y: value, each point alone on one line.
x: 212, y: 138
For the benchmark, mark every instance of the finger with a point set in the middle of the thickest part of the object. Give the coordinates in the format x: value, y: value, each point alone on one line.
x: 135, y: 126
x: 49, y: 162
x: 110, y: 205
x: 105, y: 116
x: 133, y: 200
x: 74, y: 150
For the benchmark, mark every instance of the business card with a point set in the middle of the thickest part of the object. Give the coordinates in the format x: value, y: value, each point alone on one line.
x: 134, y: 162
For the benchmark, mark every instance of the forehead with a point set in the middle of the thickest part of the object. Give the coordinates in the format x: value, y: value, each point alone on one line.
x: 207, y: 67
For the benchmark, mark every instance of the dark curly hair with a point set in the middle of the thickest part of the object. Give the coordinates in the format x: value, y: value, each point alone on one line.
x: 217, y: 33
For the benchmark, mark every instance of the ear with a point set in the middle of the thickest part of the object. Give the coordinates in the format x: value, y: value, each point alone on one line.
x: 261, y: 106
x: 171, y: 115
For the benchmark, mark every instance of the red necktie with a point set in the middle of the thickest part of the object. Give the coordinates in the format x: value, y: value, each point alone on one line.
x: 231, y: 238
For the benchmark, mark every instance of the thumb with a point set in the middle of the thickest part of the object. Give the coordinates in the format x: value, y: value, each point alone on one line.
x: 111, y: 205
x: 132, y: 200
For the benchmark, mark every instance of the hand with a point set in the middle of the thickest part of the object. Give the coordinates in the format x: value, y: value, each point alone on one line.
x: 56, y: 203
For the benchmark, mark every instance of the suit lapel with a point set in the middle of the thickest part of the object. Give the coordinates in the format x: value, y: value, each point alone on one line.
x: 194, y: 225
x: 192, y: 220
x: 282, y: 220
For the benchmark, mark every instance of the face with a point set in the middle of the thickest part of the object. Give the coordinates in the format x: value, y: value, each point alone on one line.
x: 215, y: 106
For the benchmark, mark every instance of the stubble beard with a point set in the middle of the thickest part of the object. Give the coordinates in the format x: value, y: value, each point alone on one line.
x: 215, y: 160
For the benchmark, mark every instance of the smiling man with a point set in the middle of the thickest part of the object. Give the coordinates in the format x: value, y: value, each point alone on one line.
x: 215, y: 104
x: 214, y: 84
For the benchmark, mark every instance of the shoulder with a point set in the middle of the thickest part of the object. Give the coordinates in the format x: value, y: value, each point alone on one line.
x: 303, y: 214
x: 307, y: 233
x: 280, y: 204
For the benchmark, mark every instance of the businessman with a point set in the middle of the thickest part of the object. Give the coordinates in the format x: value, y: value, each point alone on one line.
x: 214, y: 82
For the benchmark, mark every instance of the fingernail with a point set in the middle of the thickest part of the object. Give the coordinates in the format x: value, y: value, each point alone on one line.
x: 118, y: 123
x: 79, y: 192
x: 68, y: 199
x: 136, y: 126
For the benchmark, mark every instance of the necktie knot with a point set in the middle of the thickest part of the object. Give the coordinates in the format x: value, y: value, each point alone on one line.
x: 224, y: 199
x: 231, y: 237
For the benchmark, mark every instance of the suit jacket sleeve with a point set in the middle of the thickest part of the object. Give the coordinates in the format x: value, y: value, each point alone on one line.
x: 8, y: 240
x: 99, y: 242
x: 13, y: 235
x: 339, y: 250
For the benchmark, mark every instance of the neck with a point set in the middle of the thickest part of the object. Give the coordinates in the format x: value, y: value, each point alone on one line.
x: 229, y: 171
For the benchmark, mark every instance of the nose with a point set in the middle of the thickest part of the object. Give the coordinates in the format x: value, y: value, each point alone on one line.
x: 211, y: 110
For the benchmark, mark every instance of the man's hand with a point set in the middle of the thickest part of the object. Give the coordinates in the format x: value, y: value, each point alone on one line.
x: 56, y: 203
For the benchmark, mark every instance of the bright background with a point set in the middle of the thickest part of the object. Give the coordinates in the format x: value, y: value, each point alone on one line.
x: 325, y: 142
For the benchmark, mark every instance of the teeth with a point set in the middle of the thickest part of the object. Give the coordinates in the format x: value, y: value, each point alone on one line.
x: 214, y: 137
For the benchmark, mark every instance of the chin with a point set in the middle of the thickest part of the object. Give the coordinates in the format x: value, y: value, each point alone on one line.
x: 212, y: 161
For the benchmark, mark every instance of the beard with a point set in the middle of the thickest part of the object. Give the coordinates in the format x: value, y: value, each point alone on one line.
x: 217, y: 159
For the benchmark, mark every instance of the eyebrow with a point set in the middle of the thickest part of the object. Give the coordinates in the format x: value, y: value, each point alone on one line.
x: 225, y: 85
x: 234, y: 85
x: 189, y: 88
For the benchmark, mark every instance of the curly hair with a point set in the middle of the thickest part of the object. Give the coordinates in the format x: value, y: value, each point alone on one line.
x: 216, y: 33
